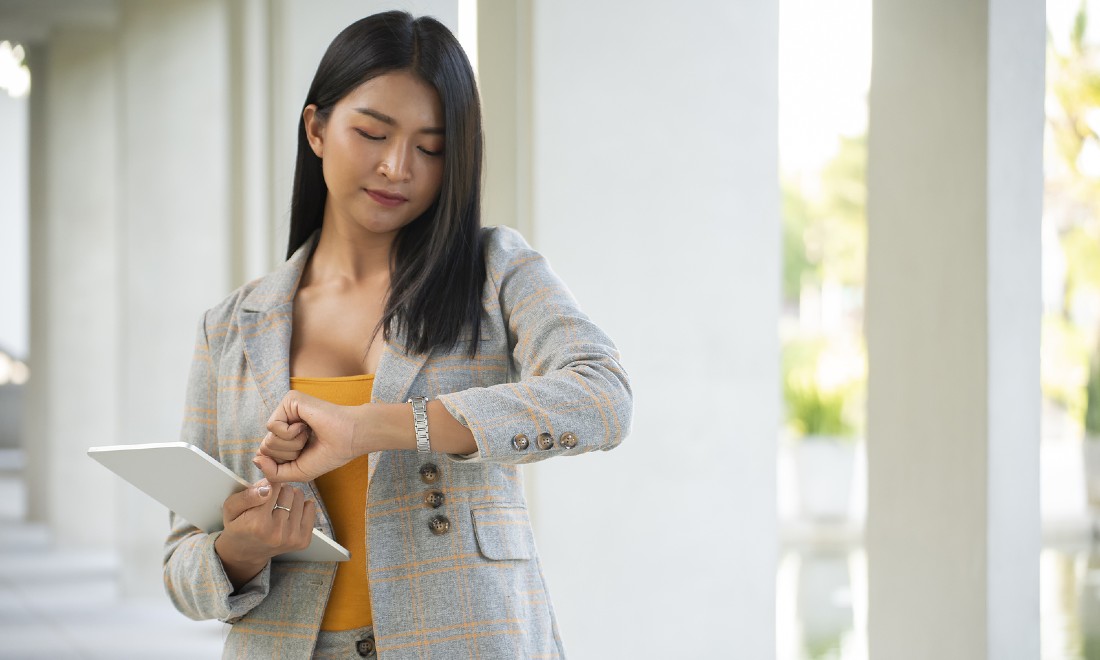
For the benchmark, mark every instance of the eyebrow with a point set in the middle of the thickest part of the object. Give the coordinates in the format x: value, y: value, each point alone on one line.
x: 386, y: 119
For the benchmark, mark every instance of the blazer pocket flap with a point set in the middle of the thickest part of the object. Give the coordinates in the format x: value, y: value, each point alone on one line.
x: 503, y: 532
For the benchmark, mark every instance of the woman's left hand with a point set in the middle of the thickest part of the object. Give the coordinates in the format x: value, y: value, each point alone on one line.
x: 307, y: 437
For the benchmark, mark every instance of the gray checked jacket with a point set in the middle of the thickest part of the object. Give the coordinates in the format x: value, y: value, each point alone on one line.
x: 545, y: 382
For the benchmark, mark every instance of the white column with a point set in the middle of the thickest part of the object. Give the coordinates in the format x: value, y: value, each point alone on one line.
x: 955, y: 189
x: 13, y: 231
x: 250, y: 114
x: 36, y: 418
x: 504, y: 80
x: 175, y: 235
x: 74, y: 272
x: 656, y: 199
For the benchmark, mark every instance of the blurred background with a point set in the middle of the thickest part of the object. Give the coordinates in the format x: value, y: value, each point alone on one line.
x: 849, y: 249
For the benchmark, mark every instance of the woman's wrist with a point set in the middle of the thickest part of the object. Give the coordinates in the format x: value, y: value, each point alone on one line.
x: 384, y: 426
x: 390, y: 426
x: 238, y: 566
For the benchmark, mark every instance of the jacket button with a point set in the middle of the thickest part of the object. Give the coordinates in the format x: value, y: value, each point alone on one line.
x: 365, y: 647
x: 433, y: 498
x: 568, y: 440
x: 520, y: 441
x: 544, y: 441
x: 429, y: 473
x: 439, y: 525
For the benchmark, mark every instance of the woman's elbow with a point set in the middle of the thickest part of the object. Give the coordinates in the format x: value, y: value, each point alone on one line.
x: 621, y: 406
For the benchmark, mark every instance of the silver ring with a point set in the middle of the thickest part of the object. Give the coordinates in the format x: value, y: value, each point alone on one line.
x: 280, y: 506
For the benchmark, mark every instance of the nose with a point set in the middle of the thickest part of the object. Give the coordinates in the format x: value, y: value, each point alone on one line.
x: 395, y: 163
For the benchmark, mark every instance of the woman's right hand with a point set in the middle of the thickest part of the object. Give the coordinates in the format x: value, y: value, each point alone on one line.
x: 255, y: 531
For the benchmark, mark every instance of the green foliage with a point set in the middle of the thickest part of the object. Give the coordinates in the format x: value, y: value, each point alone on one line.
x: 1081, y: 247
x: 1065, y: 354
x: 1092, y: 400
x: 796, y: 264
x: 843, y: 213
x: 824, y: 243
x: 1070, y: 363
x: 815, y: 407
x: 825, y: 236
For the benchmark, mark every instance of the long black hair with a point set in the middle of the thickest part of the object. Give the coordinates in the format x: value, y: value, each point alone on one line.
x: 437, y: 265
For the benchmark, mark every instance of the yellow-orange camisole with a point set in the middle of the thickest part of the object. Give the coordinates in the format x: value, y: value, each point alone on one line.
x: 344, y: 492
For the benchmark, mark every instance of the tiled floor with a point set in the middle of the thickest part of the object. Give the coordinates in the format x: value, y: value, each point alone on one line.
x: 63, y: 604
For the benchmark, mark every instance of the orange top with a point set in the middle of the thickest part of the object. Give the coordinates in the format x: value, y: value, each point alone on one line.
x: 344, y: 492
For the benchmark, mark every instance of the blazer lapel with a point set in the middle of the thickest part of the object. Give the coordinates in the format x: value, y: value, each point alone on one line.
x: 266, y: 323
x: 396, y: 372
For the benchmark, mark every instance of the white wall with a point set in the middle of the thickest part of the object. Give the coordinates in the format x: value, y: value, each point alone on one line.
x: 14, y: 240
x: 656, y: 199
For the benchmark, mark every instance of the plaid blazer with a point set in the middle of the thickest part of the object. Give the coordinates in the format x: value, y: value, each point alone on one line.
x: 545, y: 382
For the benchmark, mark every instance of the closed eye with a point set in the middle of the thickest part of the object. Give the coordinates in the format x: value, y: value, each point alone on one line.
x: 368, y: 135
x: 429, y: 152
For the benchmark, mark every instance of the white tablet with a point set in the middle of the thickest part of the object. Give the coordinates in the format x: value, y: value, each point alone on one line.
x: 190, y: 482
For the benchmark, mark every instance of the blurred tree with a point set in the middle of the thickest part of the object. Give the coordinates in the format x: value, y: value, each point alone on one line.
x: 825, y: 243
x: 825, y: 233
x: 1072, y: 206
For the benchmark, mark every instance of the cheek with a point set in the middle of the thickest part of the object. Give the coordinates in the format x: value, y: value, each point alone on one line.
x: 434, y: 181
x: 334, y: 167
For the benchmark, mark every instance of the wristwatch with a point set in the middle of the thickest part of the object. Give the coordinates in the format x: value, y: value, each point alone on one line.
x: 420, y: 421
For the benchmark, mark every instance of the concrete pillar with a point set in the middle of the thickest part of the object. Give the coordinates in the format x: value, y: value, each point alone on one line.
x: 14, y: 242
x: 656, y: 199
x: 953, y: 307
x: 36, y: 417
x: 176, y: 231
x: 252, y: 209
x: 74, y: 274
x: 505, y: 82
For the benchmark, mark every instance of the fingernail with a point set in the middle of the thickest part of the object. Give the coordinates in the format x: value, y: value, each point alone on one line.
x: 263, y: 490
x: 256, y: 461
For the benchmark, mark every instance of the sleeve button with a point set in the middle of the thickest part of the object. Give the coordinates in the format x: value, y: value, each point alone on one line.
x: 520, y: 441
x: 544, y: 441
x: 568, y: 440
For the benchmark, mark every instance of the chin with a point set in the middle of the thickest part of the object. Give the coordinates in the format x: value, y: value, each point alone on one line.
x: 380, y: 227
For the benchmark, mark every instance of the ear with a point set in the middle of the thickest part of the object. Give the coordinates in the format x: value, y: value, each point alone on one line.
x: 315, y: 129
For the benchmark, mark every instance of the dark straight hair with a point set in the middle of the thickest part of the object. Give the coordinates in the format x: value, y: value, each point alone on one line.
x: 437, y: 264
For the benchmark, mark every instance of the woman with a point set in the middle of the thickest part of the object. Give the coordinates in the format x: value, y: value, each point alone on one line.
x: 413, y: 360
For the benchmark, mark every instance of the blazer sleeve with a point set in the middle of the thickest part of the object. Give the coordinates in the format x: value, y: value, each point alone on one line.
x: 572, y: 389
x: 193, y: 574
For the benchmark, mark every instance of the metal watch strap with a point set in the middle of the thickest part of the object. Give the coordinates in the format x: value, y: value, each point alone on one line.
x: 420, y: 421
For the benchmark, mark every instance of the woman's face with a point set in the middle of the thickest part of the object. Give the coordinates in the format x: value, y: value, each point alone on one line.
x: 381, y: 151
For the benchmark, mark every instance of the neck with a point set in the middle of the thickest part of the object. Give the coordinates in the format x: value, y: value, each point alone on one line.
x: 351, y: 254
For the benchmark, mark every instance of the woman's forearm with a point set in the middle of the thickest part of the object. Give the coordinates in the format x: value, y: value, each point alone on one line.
x: 390, y: 426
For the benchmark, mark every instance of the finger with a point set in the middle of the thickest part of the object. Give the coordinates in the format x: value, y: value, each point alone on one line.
x: 281, y: 456
x: 276, y: 472
x: 283, y: 508
x: 294, y: 520
x: 237, y: 503
x: 305, y: 525
x: 281, y: 429
x: 272, y: 442
x: 288, y: 411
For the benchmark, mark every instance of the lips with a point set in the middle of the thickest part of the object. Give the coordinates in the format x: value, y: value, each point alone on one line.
x: 386, y: 198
